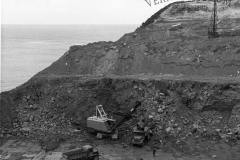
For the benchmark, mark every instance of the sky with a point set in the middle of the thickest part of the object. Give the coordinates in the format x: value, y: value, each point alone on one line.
x: 78, y: 11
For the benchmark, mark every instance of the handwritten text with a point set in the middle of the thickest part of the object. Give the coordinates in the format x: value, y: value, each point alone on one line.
x: 156, y: 2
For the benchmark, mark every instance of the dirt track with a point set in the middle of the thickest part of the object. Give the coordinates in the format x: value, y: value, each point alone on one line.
x: 17, y: 149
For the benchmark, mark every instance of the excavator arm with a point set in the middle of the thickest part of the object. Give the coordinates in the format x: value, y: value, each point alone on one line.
x: 125, y: 116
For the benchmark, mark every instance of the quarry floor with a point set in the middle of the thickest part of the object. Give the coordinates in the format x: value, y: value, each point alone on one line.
x: 149, y: 77
x: 20, y: 149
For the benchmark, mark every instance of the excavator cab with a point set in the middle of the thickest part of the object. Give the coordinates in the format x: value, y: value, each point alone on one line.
x: 100, y: 122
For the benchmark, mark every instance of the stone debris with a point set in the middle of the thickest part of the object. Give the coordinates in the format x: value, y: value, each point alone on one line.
x: 57, y: 119
x: 214, y: 156
x: 168, y: 129
x: 185, y: 121
x: 135, y: 34
x: 176, y: 27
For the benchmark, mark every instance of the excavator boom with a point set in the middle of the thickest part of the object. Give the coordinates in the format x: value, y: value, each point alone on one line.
x: 125, y: 116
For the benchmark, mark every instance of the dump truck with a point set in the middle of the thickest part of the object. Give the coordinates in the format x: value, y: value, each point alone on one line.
x: 104, y: 126
x: 87, y: 152
x: 142, y: 132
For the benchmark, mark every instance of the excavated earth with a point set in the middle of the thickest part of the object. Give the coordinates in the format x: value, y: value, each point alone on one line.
x: 188, y: 83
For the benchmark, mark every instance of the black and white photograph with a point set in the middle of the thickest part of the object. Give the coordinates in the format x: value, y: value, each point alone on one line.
x: 120, y: 80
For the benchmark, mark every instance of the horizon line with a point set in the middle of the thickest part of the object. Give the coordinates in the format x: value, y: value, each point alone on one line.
x: 74, y: 24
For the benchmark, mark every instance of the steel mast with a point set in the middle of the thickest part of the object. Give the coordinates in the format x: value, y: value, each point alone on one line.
x: 212, y: 30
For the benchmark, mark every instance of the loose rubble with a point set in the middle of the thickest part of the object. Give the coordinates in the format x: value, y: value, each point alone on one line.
x: 45, y: 117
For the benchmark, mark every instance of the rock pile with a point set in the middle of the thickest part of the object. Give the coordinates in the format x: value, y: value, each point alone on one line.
x: 179, y: 109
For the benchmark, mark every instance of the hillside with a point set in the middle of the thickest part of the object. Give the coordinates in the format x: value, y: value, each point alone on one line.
x: 155, y: 48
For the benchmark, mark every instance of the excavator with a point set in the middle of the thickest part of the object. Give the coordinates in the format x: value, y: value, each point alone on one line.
x: 104, y: 126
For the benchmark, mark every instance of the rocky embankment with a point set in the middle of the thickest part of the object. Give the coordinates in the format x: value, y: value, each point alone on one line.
x: 55, y: 109
x: 188, y: 83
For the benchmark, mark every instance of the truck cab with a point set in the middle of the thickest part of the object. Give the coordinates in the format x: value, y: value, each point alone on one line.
x: 142, y: 132
x: 138, y: 138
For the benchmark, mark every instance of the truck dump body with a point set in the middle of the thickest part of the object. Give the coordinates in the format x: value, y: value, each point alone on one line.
x: 87, y: 152
x: 75, y: 154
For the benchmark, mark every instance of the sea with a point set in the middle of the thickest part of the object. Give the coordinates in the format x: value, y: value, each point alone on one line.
x: 28, y: 49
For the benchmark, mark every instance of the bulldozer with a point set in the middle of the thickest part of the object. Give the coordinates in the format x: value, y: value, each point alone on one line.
x: 104, y: 126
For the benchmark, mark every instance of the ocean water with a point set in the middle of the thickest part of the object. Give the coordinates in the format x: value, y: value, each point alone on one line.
x: 28, y: 49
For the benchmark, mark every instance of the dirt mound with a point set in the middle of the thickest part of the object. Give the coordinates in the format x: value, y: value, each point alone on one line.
x: 159, y: 50
x: 183, y: 8
x: 158, y: 14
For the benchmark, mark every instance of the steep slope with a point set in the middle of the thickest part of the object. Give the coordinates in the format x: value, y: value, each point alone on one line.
x: 159, y: 48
